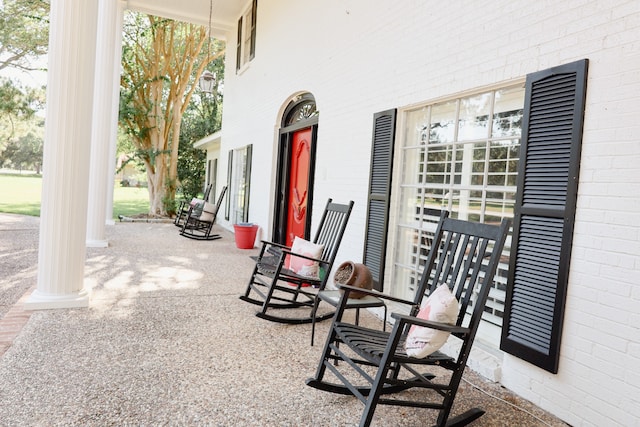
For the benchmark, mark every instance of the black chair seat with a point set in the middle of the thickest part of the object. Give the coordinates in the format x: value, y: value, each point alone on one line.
x: 371, y: 344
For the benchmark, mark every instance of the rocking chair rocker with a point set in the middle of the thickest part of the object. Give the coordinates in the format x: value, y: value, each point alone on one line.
x: 278, y: 285
x: 463, y: 255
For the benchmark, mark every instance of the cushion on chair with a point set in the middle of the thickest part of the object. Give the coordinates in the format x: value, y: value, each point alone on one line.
x: 442, y: 307
x: 197, y: 205
x: 301, y: 266
x: 207, y: 212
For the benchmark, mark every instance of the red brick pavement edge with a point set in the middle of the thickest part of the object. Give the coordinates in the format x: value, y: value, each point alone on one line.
x: 13, y: 322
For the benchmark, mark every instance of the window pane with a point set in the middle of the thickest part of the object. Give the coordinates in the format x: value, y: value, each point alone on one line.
x: 238, y: 185
x: 438, y: 164
x: 478, y: 163
x: 474, y: 117
x: 404, y: 283
x: 408, y: 201
x: 246, y: 49
x: 503, y: 162
x: 413, y: 169
x: 442, y: 128
x: 499, y: 205
x: 470, y: 205
x: 468, y: 166
x: 507, y: 114
x: 436, y: 197
x: 406, y: 248
x: 417, y: 127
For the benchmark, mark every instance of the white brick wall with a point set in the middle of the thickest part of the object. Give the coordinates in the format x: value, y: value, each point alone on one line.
x: 358, y: 57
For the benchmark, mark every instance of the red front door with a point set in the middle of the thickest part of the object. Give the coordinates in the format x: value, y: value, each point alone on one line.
x: 298, y: 184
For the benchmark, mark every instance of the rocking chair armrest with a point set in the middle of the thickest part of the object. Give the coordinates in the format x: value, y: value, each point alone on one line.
x: 277, y: 245
x: 349, y: 288
x: 430, y: 324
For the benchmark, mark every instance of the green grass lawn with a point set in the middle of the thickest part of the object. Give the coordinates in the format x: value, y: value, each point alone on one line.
x: 20, y: 194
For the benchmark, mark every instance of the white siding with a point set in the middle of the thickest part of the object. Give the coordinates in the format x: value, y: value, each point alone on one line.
x: 362, y: 56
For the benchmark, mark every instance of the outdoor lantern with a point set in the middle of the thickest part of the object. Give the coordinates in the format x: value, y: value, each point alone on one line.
x: 207, y: 82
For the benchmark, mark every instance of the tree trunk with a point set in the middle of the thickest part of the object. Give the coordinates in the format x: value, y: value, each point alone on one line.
x: 161, y: 80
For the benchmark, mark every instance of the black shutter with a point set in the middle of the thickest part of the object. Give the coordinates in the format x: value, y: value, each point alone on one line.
x: 544, y: 214
x: 384, y: 131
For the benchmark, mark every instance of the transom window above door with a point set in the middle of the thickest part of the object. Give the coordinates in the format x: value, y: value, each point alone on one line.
x: 301, y: 108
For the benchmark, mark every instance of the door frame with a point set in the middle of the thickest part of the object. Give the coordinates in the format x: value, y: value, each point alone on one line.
x: 283, y: 177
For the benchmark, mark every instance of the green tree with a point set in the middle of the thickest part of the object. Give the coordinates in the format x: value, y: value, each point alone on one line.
x: 29, y: 154
x: 162, y: 61
x: 203, y: 117
x: 18, y: 108
x: 24, y: 33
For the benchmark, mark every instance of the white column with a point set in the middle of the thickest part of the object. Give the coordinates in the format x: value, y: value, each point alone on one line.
x: 63, y: 216
x: 105, y: 121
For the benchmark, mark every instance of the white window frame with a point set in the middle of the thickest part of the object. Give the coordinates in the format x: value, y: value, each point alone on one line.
x: 405, y: 268
x: 245, y: 40
x: 239, y: 184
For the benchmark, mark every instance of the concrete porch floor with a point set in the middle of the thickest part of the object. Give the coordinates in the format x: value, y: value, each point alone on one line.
x: 166, y: 341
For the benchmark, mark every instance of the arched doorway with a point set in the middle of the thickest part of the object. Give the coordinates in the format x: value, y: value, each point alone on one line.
x: 296, y: 166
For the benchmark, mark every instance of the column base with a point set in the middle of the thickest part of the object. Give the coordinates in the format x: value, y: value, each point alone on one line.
x: 110, y: 222
x: 97, y: 244
x: 42, y: 301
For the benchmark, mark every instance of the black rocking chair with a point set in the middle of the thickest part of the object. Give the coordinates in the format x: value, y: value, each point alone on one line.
x: 199, y: 220
x: 430, y: 219
x: 183, y: 209
x: 277, y: 287
x: 464, y: 256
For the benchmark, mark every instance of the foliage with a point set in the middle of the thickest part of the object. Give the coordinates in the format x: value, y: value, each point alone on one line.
x: 200, y: 119
x: 17, y: 105
x: 191, y: 172
x: 21, y: 130
x: 162, y: 60
x: 24, y: 37
x: 23, y: 153
x: 24, y: 32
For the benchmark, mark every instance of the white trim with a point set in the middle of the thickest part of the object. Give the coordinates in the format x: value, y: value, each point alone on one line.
x: 43, y: 301
x: 209, y: 141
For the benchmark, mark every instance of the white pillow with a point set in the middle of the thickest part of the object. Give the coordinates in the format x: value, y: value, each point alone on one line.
x: 442, y: 307
x: 207, y: 212
x: 302, y: 266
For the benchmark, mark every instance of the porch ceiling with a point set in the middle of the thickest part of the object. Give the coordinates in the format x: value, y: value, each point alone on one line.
x: 224, y: 16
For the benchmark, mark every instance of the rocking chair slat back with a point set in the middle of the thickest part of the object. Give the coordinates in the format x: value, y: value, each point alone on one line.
x: 331, y: 228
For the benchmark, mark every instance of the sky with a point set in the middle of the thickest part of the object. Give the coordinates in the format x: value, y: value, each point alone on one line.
x: 31, y: 78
